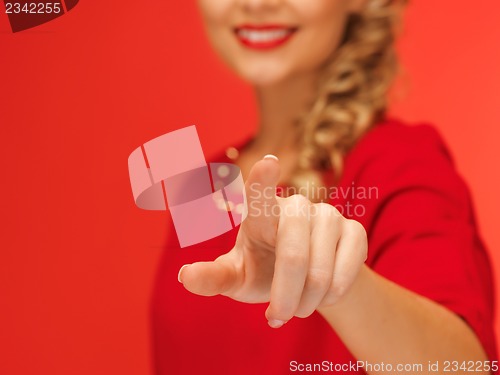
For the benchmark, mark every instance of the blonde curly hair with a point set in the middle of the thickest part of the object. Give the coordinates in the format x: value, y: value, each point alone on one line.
x: 352, y: 94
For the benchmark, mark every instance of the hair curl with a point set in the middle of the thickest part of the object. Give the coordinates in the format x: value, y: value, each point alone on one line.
x: 352, y: 91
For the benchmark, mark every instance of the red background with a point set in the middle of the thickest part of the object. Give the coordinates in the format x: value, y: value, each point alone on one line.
x: 78, y: 94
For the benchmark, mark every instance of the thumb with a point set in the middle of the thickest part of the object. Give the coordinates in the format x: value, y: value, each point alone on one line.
x: 209, y: 278
x: 262, y: 218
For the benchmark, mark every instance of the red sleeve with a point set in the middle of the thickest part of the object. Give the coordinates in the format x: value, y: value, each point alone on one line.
x: 420, y: 222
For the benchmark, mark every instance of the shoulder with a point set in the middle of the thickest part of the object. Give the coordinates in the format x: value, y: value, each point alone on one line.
x: 393, y: 144
x: 409, y: 167
x: 395, y: 153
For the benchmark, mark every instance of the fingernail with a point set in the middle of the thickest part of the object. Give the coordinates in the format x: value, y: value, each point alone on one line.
x: 275, y: 323
x: 270, y: 156
x: 179, y: 274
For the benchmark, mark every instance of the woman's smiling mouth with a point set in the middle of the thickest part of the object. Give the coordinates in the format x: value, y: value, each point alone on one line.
x: 264, y: 36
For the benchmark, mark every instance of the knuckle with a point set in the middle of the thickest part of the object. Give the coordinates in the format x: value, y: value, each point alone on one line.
x: 338, y: 289
x: 355, y: 228
x: 329, y: 300
x: 317, y: 280
x: 327, y: 212
x: 295, y: 259
x: 339, y: 286
x: 323, y: 209
x: 297, y: 203
x: 358, y: 232
x: 295, y: 208
x: 299, y: 199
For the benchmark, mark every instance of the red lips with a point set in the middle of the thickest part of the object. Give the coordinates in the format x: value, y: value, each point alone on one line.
x: 264, y: 37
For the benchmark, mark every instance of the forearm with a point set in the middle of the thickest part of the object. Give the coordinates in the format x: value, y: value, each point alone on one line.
x: 380, y: 321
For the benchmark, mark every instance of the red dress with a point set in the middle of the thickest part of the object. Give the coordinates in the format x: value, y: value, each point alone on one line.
x: 421, y: 234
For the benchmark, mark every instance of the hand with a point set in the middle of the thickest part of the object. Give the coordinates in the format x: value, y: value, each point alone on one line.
x: 294, y: 254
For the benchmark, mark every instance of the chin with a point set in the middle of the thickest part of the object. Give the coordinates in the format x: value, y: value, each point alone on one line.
x: 263, y: 75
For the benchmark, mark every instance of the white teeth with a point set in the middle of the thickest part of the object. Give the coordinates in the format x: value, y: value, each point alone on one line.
x: 257, y: 36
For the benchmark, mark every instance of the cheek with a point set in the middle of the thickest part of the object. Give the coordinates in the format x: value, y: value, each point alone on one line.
x: 215, y: 16
x: 324, y: 23
x: 320, y: 43
x: 217, y: 21
x: 215, y: 10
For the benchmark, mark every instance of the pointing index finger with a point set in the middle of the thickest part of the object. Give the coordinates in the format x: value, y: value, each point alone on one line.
x: 262, y: 218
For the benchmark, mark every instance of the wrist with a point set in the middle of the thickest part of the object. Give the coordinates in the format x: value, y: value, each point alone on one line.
x: 353, y: 297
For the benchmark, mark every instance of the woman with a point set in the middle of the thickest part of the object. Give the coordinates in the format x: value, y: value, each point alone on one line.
x: 390, y: 271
